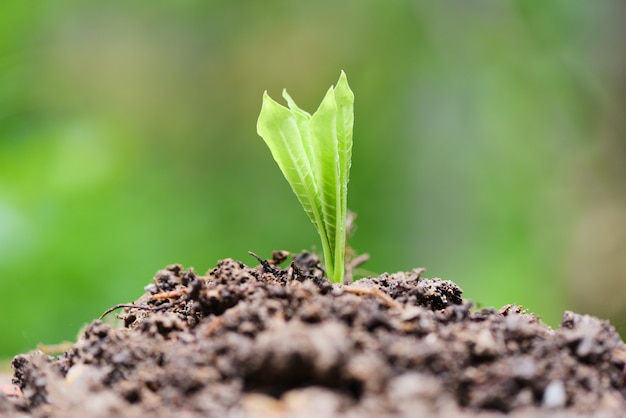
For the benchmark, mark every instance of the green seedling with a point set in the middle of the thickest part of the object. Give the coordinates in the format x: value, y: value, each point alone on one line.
x: 314, y: 153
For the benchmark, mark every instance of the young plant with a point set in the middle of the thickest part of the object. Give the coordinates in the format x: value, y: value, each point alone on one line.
x: 314, y: 153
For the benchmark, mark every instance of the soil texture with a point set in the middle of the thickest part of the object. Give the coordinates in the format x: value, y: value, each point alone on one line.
x: 285, y: 342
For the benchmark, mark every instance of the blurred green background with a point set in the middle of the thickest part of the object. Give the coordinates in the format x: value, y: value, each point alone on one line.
x: 489, y: 147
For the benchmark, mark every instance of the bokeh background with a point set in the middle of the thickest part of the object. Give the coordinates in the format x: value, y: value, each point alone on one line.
x: 490, y: 147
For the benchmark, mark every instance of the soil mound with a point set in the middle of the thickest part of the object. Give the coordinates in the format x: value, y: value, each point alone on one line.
x: 285, y: 342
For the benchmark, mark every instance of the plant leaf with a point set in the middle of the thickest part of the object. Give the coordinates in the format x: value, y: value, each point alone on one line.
x: 326, y: 169
x: 283, y: 133
x: 344, y: 98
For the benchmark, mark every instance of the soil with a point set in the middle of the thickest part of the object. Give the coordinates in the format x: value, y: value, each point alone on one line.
x: 285, y: 342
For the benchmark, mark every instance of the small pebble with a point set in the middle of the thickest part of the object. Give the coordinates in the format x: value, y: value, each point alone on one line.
x: 11, y: 391
x: 554, y: 395
x: 485, y: 344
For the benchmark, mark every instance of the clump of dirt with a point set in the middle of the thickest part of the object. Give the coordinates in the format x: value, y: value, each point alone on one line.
x: 285, y: 342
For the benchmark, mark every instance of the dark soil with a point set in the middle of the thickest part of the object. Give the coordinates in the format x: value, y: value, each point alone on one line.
x: 284, y: 342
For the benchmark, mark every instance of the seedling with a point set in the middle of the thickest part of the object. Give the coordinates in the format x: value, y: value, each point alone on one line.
x: 314, y: 153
